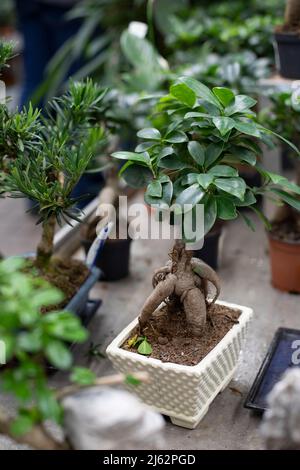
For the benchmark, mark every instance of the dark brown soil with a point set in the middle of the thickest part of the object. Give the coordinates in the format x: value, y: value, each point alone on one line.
x: 66, y: 275
x: 287, y: 231
x: 172, y: 340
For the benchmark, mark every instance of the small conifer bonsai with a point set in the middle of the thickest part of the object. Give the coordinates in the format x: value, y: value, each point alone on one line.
x: 42, y: 157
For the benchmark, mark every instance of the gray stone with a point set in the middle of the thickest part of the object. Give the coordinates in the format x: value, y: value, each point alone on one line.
x: 281, y: 425
x: 107, y: 419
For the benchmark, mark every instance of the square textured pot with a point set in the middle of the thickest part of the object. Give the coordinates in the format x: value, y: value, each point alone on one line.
x: 183, y: 392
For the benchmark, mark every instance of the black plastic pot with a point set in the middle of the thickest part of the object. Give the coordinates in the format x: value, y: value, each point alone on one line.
x: 113, y: 260
x: 287, y: 53
x: 209, y: 253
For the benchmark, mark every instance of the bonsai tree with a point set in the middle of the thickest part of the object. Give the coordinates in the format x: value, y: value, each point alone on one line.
x: 43, y: 157
x: 189, y: 158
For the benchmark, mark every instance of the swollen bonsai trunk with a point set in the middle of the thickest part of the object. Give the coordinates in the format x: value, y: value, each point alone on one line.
x: 184, y: 279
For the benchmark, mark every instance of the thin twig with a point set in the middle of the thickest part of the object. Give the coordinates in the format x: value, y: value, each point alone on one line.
x: 101, y: 381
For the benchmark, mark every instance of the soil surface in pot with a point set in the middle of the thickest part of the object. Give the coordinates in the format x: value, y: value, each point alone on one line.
x: 67, y: 275
x: 172, y: 340
x: 287, y: 230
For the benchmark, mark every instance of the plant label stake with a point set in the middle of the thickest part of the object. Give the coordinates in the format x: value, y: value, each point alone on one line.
x: 98, y: 244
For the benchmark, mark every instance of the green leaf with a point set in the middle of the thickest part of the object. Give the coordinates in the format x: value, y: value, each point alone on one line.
x: 176, y: 137
x: 249, y: 199
x: 235, y: 186
x: 223, y: 170
x: 223, y: 124
x: 243, y: 154
x: 132, y: 380
x: 65, y: 326
x: 262, y: 217
x: 241, y: 103
x: 149, y: 133
x: 247, y: 127
x: 205, y: 180
x: 197, y: 152
x: 210, y: 213
x: 133, y: 157
x: 145, y: 348
x: 201, y: 91
x: 191, y: 195
x: 226, y: 208
x: 224, y: 95
x: 184, y: 94
x: 173, y: 162
x: 212, y: 153
x: 58, y: 354
x: 286, y: 141
x: 82, y: 376
x: 165, y: 198
x: 21, y: 425
x: 154, y: 188
x: 137, y: 176
x: 248, y: 221
x: 288, y: 198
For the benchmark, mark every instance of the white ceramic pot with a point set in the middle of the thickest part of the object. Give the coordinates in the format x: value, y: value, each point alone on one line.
x: 184, y: 392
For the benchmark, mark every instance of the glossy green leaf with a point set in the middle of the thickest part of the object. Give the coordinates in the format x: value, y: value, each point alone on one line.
x: 223, y: 124
x: 137, y: 176
x: 212, y: 153
x: 154, y: 188
x: 176, y: 137
x: 288, y: 198
x: 224, y: 95
x: 133, y: 157
x: 205, y: 180
x: 241, y: 103
x: 247, y: 127
x: 145, y: 348
x: 234, y: 186
x: 184, y: 94
x: 210, y: 213
x: 191, y: 195
x: 197, y: 152
x: 223, y: 170
x: 201, y: 90
x: 226, y: 208
x: 149, y: 133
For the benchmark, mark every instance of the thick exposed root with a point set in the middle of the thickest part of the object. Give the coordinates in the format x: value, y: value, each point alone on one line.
x: 206, y: 272
x: 195, y: 310
x: 161, y: 273
x: 163, y: 290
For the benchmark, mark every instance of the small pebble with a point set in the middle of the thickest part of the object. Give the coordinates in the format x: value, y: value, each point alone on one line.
x: 162, y: 340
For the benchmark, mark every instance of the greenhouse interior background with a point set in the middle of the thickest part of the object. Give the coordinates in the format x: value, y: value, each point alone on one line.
x: 150, y: 228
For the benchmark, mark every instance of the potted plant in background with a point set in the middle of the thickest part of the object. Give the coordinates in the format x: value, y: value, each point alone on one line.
x: 284, y: 237
x: 42, y: 158
x: 287, y: 41
x: 191, y: 345
x: 29, y: 340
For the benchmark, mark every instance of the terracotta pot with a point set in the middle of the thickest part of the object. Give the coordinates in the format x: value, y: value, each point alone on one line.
x: 285, y: 265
